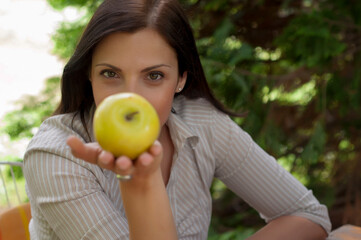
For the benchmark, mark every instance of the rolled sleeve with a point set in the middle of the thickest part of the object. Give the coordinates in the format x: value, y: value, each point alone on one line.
x: 257, y: 178
x: 68, y: 201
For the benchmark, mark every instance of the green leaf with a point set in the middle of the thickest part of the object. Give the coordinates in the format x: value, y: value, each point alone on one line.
x: 310, y: 40
x: 61, y: 4
x: 315, y: 146
x: 67, y: 37
x: 23, y: 122
x: 223, y: 31
x: 242, y: 54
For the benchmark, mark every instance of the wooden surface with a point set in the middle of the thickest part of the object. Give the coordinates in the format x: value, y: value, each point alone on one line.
x: 14, y: 223
x: 346, y: 232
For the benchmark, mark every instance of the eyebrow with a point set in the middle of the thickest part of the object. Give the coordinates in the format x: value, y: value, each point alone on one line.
x: 144, y: 70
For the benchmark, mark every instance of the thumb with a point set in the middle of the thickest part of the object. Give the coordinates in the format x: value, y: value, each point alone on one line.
x: 88, y: 152
x: 157, y: 150
x: 148, y: 161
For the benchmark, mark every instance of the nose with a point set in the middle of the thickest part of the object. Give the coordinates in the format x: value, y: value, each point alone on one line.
x: 131, y: 84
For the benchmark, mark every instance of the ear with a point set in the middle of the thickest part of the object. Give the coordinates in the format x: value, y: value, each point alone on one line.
x: 182, y: 82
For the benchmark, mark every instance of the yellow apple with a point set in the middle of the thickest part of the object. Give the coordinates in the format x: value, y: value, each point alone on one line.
x: 126, y: 124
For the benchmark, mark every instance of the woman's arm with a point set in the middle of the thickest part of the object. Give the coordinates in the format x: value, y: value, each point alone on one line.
x: 146, y: 201
x: 69, y: 200
x: 148, y: 210
x: 144, y: 197
x: 259, y: 180
x: 290, y: 227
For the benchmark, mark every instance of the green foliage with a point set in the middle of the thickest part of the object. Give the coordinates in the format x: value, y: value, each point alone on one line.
x: 61, y: 4
x: 15, y: 171
x: 310, y: 40
x: 233, y: 224
x: 11, y: 191
x: 22, y: 123
x: 294, y: 66
x: 237, y: 234
x: 67, y: 37
x: 220, y: 54
x: 315, y: 145
x: 86, y: 4
x: 301, y: 88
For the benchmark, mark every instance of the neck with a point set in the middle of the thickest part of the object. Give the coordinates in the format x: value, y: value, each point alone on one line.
x: 164, y: 134
x: 168, y: 151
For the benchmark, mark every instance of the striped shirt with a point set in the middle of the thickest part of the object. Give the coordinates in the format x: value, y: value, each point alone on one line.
x: 73, y: 199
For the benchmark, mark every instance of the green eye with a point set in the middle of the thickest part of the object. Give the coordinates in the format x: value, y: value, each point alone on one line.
x: 155, y: 76
x: 108, y: 74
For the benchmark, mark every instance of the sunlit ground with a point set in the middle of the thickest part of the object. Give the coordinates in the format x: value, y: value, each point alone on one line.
x: 25, y: 56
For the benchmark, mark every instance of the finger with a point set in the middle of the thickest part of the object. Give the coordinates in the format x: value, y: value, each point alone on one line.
x: 88, y: 152
x: 145, y: 159
x: 156, y: 149
x: 106, y: 160
x: 146, y: 163
x: 153, y: 156
x: 76, y: 146
x: 124, y: 166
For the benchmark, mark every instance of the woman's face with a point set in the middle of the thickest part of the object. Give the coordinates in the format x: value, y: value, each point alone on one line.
x: 140, y: 62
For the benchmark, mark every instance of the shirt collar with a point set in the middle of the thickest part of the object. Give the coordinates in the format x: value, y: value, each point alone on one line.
x: 180, y: 131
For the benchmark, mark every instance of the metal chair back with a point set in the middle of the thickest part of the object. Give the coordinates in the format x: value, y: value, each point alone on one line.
x: 5, y: 184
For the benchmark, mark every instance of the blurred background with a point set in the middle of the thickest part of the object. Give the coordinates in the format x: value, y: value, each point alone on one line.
x: 25, y: 55
x: 293, y: 66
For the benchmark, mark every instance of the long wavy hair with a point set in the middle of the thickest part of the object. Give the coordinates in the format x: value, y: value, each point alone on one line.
x: 164, y: 16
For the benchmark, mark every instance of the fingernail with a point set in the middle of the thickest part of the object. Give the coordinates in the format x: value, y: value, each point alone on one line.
x: 147, y: 160
x: 121, y: 163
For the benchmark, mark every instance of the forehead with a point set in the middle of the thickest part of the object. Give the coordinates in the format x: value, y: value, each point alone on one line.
x: 144, y: 44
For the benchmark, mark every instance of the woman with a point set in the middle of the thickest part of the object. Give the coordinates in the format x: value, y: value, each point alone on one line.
x: 147, y: 47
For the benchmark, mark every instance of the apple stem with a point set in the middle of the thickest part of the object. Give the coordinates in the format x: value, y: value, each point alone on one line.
x: 130, y: 116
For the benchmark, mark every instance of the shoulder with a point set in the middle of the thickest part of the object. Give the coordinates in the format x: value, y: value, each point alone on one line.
x: 198, y: 111
x: 204, y: 120
x: 53, y: 132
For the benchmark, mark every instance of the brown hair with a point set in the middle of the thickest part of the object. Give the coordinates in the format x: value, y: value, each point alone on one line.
x: 166, y: 17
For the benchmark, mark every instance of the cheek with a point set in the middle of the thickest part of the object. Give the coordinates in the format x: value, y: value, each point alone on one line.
x: 96, y: 95
x: 97, y: 99
x: 100, y: 93
x: 163, y: 105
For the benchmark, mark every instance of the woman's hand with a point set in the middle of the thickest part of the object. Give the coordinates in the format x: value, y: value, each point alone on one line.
x: 144, y: 197
x: 143, y: 167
